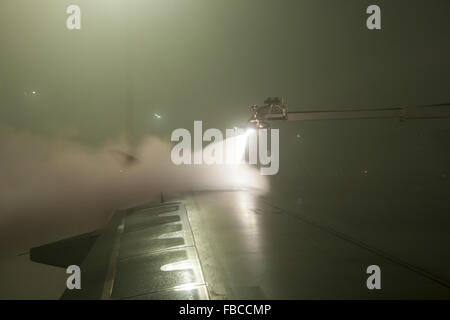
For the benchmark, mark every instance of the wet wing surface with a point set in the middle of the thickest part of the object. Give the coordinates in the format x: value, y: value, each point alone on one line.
x: 153, y: 256
x: 245, y: 247
x: 253, y: 249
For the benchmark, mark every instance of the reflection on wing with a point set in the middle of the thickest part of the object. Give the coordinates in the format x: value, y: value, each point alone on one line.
x: 144, y: 253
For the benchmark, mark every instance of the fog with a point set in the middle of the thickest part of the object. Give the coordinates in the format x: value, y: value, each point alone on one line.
x: 53, y: 188
x: 68, y: 99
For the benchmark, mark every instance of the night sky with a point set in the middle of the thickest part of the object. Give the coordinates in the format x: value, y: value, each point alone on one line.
x: 205, y: 60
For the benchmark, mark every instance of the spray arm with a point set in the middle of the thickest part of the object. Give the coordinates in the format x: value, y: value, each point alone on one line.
x: 274, y: 109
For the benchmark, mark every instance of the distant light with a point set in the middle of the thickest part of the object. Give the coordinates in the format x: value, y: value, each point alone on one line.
x: 33, y: 92
x: 157, y: 116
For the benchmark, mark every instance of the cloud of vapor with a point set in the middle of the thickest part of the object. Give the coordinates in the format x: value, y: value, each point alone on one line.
x: 54, y: 188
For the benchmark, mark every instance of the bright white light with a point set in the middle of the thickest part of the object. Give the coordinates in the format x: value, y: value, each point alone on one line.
x: 250, y: 131
x: 158, y: 116
x: 177, y: 266
x: 232, y: 148
x: 235, y: 148
x: 33, y: 92
x: 187, y: 287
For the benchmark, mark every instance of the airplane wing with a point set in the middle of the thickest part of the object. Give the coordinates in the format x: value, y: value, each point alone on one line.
x: 239, y: 245
x: 145, y: 252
